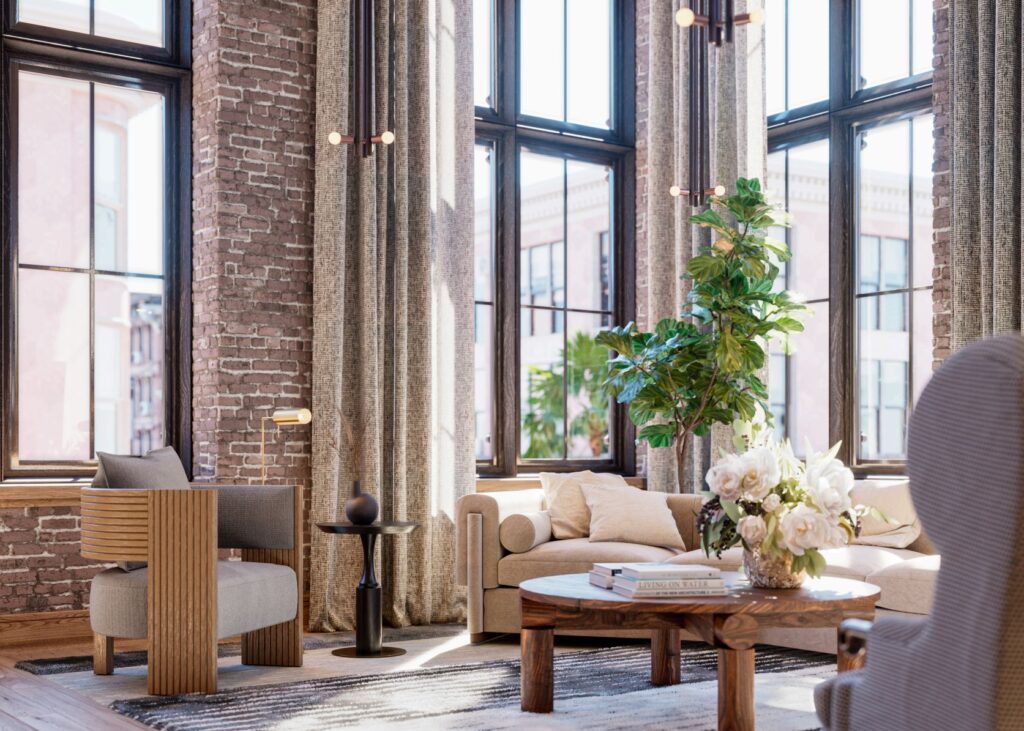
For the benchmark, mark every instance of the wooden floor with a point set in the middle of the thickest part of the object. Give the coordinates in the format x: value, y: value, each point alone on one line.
x: 34, y: 703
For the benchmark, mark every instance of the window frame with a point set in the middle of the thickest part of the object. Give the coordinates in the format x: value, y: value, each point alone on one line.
x: 838, y: 119
x: 507, y: 132
x: 55, y: 52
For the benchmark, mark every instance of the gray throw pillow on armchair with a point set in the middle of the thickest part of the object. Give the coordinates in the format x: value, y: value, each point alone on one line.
x: 160, y: 468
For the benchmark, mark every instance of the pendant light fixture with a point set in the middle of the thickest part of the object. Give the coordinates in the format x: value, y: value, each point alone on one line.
x: 711, y: 23
x: 364, y: 51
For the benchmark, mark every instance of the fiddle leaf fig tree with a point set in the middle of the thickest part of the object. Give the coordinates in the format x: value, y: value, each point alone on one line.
x: 702, y: 368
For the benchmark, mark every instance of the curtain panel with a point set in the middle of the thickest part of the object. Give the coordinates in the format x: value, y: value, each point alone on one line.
x: 985, y: 236
x: 738, y: 142
x: 393, y: 330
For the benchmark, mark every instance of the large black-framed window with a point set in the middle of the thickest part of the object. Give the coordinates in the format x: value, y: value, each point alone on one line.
x: 554, y: 91
x: 96, y: 234
x: 850, y: 156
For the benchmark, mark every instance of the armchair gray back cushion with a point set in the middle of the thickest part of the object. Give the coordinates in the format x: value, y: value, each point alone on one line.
x: 251, y: 516
x: 160, y: 468
x: 962, y: 667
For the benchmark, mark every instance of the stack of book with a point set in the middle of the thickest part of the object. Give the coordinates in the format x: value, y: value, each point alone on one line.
x: 658, y: 580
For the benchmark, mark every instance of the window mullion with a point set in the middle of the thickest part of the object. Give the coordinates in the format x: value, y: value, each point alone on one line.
x: 92, y: 261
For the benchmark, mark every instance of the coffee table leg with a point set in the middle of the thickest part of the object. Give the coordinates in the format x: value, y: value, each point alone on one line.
x: 537, y: 674
x: 665, y: 657
x: 736, y: 690
x: 845, y: 661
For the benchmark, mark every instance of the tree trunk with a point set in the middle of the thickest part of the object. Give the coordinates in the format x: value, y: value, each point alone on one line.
x: 682, y: 448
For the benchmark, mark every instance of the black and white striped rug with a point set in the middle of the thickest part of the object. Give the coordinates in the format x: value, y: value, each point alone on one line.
x: 601, y: 688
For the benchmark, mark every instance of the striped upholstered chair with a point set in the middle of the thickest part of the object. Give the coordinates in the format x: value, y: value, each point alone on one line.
x: 184, y: 599
x: 962, y: 667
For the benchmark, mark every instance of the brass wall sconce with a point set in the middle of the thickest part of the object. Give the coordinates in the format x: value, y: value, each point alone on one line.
x: 281, y: 417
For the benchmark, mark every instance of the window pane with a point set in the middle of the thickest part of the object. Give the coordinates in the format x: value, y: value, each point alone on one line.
x: 53, y: 366
x: 587, y: 407
x: 884, y: 171
x: 53, y: 171
x: 923, y: 40
x: 589, y: 40
x: 808, y: 207
x: 484, y: 381
x: 922, y: 340
x: 809, y: 368
x: 884, y: 41
x: 135, y: 21
x: 129, y: 377
x: 483, y: 183
x: 542, y: 224
x: 483, y: 52
x: 807, y: 76
x: 777, y: 364
x: 70, y: 15
x: 922, y: 129
x: 541, y: 63
x: 129, y: 183
x: 542, y: 391
x: 775, y: 56
x: 589, y: 221
x: 883, y: 356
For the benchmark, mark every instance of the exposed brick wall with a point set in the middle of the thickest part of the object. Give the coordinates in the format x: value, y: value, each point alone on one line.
x: 253, y: 125
x: 942, y: 294
x: 41, y: 567
x: 643, y: 38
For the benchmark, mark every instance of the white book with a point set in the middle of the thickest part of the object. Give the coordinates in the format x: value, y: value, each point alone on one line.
x: 669, y: 571
x: 634, y: 584
x: 607, y: 569
x: 668, y: 593
x: 601, y: 580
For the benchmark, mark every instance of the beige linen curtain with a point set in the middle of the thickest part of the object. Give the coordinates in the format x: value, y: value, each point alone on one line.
x: 738, y: 134
x: 986, y: 236
x: 429, y: 311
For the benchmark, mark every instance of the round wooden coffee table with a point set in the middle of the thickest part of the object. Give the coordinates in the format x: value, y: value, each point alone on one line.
x: 729, y: 623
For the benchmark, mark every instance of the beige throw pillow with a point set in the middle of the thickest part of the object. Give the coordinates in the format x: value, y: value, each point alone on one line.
x: 892, y: 499
x: 630, y: 515
x: 563, y: 496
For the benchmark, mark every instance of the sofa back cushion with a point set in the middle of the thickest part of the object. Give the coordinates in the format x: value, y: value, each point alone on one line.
x: 566, y: 506
x: 629, y: 515
x: 892, y: 499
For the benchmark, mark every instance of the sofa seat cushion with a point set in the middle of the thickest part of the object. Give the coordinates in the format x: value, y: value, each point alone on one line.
x: 857, y: 562
x: 731, y: 560
x: 907, y: 586
x: 571, y: 556
x: 250, y: 595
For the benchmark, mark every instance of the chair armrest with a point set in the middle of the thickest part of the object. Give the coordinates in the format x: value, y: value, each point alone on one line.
x: 493, y: 507
x: 853, y: 637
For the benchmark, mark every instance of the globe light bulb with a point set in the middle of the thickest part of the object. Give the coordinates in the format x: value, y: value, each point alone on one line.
x: 674, y: 191
x: 719, y: 190
x: 685, y: 17
x: 387, y: 137
x: 334, y: 138
x: 756, y: 16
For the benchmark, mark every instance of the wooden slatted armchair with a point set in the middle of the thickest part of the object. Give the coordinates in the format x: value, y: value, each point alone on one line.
x: 184, y: 600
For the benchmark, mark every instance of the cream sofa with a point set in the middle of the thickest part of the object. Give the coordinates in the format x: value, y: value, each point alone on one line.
x: 492, y: 573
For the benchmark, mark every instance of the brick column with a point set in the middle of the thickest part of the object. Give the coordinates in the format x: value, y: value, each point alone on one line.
x: 942, y: 294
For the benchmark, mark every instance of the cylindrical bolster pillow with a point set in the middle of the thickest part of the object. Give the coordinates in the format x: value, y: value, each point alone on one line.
x: 522, y: 531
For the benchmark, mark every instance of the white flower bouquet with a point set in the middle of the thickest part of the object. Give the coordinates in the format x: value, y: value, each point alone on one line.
x: 782, y: 509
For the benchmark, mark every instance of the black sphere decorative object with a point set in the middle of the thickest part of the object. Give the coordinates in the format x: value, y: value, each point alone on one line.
x: 362, y: 507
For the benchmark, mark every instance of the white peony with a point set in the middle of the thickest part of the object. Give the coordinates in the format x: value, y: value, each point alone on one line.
x: 752, y: 529
x: 829, y: 500
x: 771, y: 503
x: 830, y: 471
x: 803, y: 528
x: 760, y: 473
x: 725, y: 478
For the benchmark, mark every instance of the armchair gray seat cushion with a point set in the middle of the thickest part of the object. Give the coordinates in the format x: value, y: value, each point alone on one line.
x: 250, y: 596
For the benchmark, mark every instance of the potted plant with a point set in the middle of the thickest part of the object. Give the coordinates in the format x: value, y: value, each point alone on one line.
x: 781, y: 509
x: 702, y: 368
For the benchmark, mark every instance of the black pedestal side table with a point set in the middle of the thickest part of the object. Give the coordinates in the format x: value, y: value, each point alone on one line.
x: 368, y: 616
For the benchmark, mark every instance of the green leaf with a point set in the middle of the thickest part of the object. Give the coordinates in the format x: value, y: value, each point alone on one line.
x: 729, y: 353
x: 817, y: 562
x: 706, y: 267
x: 732, y: 510
x: 658, y: 435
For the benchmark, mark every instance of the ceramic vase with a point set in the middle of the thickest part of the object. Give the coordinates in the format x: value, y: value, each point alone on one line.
x: 361, y: 508
x: 771, y: 572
